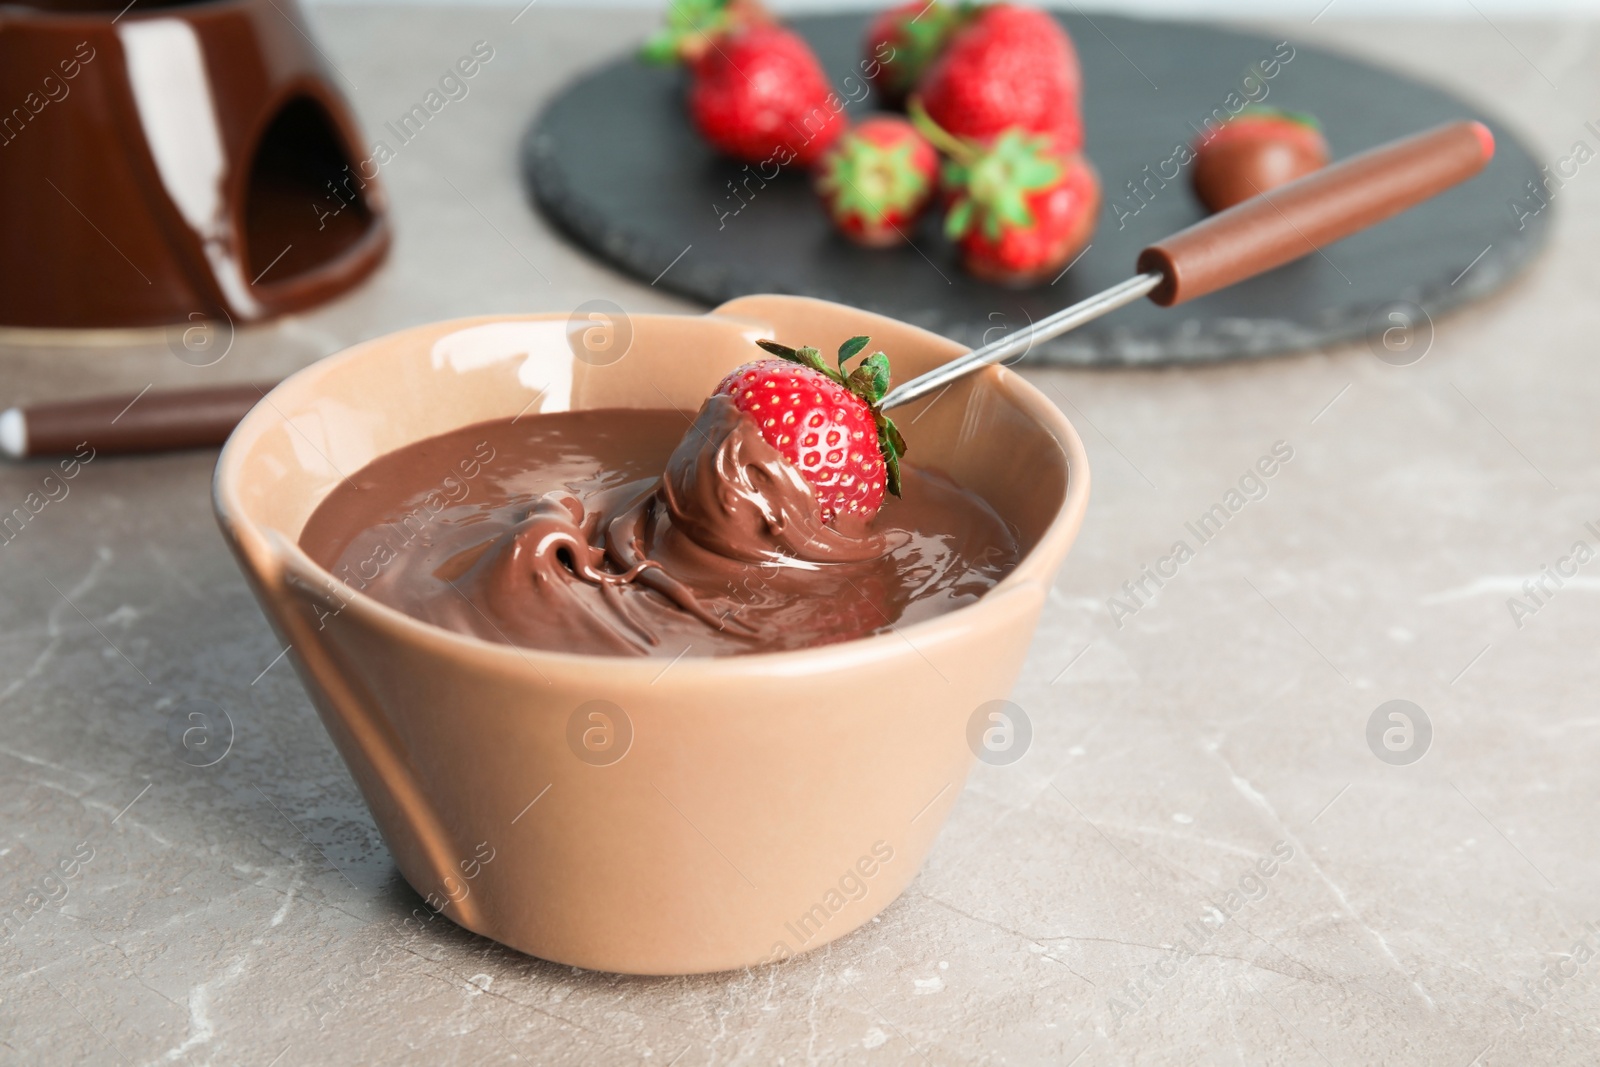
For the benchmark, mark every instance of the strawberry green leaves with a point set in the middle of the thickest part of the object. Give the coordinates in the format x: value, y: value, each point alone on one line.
x: 869, y: 381
x: 873, y: 181
x: 869, y: 386
x: 893, y: 447
x: 851, y: 349
x: 959, y: 220
x: 689, y: 24
x: 992, y: 182
x: 915, y: 37
x: 806, y: 357
x: 994, y: 186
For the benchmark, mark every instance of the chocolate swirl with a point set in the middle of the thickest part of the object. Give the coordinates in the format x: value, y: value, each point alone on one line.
x: 725, y: 552
x: 731, y: 493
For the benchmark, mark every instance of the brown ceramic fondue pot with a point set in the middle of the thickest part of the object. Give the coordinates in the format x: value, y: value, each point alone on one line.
x: 163, y: 160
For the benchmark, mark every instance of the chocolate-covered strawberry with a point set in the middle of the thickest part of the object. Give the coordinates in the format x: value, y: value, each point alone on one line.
x: 1007, y: 67
x: 825, y: 422
x: 1257, y: 150
x: 761, y: 96
x: 877, y: 179
x: 903, y: 42
x: 1019, y: 208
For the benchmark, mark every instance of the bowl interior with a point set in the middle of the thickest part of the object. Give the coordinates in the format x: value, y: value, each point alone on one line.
x: 990, y: 432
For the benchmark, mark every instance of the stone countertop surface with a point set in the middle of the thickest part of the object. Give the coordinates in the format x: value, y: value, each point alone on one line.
x: 1439, y: 912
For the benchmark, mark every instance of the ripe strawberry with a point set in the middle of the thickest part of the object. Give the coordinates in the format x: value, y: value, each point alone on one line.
x: 1257, y: 150
x: 1010, y: 66
x: 903, y: 41
x: 1020, y: 209
x: 825, y: 422
x: 761, y: 95
x: 693, y: 26
x: 877, y: 179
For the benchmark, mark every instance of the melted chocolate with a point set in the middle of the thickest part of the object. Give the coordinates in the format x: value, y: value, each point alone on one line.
x: 1228, y: 172
x: 562, y: 532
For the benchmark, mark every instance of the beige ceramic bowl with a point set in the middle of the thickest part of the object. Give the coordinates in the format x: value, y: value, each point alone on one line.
x: 762, y: 805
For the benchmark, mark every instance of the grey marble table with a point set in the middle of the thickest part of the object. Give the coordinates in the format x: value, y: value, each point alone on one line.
x: 1099, y: 901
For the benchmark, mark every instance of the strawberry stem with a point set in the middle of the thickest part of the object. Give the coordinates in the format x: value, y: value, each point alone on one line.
x: 961, y: 151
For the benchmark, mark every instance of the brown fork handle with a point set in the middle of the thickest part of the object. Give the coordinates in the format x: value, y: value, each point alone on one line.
x: 1299, y: 218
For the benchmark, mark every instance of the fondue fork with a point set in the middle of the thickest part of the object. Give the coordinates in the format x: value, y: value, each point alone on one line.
x: 1250, y: 238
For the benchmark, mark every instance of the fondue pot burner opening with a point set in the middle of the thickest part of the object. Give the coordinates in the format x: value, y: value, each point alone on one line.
x: 161, y: 161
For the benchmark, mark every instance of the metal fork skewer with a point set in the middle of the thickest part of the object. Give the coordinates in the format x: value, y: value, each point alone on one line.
x: 1016, y: 343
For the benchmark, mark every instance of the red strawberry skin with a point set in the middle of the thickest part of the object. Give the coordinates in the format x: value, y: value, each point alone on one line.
x: 877, y: 180
x: 1064, y: 219
x: 820, y: 427
x: 902, y: 42
x: 761, y: 95
x: 1254, y: 153
x: 1009, y: 66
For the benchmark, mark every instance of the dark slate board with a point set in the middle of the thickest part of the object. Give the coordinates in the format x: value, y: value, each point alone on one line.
x: 614, y: 162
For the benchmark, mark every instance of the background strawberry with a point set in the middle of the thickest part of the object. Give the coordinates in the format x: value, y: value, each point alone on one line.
x: 761, y: 95
x: 1259, y: 149
x: 1020, y: 209
x: 694, y: 25
x: 1009, y: 66
x: 825, y: 422
x: 877, y: 179
x: 903, y: 41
